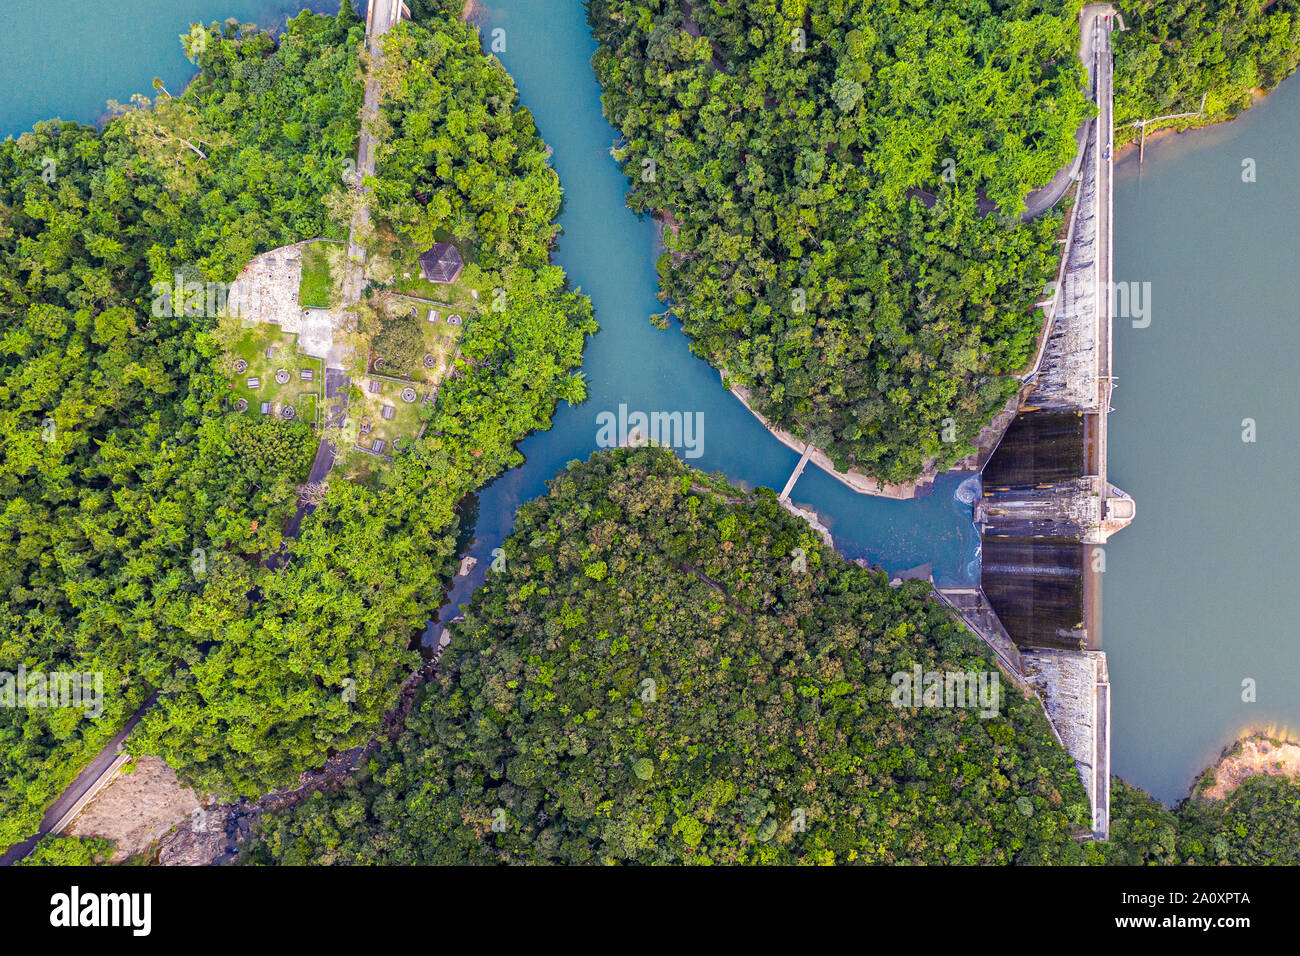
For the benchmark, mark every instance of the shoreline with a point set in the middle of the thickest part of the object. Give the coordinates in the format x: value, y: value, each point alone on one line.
x: 858, y: 481
x: 985, y: 441
x: 1256, y: 95
x: 1255, y: 754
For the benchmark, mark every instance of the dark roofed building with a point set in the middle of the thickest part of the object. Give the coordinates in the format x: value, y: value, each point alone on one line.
x: 442, y: 263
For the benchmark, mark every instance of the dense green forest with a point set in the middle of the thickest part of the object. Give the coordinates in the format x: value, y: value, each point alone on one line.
x: 784, y: 143
x: 1175, y: 53
x: 69, y: 851
x: 138, y: 513
x: 669, y: 670
x: 117, y: 461
x: 1255, y: 824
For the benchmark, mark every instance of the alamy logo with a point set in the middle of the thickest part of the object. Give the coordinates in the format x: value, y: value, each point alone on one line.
x: 102, y: 909
x: 917, y: 688
x: 56, y: 689
x: 1128, y: 300
x: 682, y: 430
x: 205, y: 299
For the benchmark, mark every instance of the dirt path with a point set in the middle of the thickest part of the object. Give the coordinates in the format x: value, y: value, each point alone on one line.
x: 381, y: 19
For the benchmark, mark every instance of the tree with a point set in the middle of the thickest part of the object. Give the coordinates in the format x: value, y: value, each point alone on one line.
x: 159, y: 130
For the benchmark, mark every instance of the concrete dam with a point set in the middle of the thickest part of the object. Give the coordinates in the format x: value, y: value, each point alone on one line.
x: 1046, y: 507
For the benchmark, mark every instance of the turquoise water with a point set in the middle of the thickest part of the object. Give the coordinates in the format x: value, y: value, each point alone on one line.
x: 610, y: 254
x: 1199, y: 591
x: 67, y: 58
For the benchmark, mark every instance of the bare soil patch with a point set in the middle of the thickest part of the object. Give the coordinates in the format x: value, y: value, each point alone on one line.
x: 135, y: 809
x: 1251, y: 757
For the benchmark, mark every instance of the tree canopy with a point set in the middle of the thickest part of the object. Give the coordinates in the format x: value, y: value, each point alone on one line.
x: 789, y: 148
x: 653, y: 678
x: 140, y: 515
x: 1214, y: 56
x: 667, y: 669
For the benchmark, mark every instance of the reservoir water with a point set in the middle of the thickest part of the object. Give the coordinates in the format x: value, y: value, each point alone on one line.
x: 1182, y: 616
x: 1198, y: 591
x: 610, y: 255
x: 67, y: 58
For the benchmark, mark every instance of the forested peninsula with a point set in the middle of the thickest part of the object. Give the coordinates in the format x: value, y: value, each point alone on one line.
x: 785, y: 145
x: 668, y: 669
x: 141, y: 534
x: 791, y: 150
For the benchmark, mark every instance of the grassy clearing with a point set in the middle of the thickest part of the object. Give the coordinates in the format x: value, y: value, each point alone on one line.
x: 407, y: 418
x: 456, y: 296
x: 440, y: 341
x: 307, y: 405
x: 251, y: 346
x: 321, y: 261
x: 388, y: 269
x: 440, y: 338
x: 399, y: 290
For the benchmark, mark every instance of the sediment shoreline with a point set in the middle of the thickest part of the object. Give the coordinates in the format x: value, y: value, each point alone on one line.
x: 858, y: 481
x: 1253, y: 755
x: 1255, y: 96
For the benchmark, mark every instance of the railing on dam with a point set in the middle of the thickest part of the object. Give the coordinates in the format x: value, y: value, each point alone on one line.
x: 1046, y: 506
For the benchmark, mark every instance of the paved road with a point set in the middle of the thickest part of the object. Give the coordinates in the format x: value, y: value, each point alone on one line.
x: 79, y: 787
x: 333, y: 415
x: 320, y: 468
x: 1104, y: 157
x: 1101, y: 780
x: 1045, y: 197
x: 381, y: 17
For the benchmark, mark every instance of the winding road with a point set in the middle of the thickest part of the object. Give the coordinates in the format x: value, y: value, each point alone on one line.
x: 1047, y: 196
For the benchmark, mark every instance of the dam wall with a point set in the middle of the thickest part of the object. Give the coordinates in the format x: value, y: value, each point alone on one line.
x: 1046, y: 507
